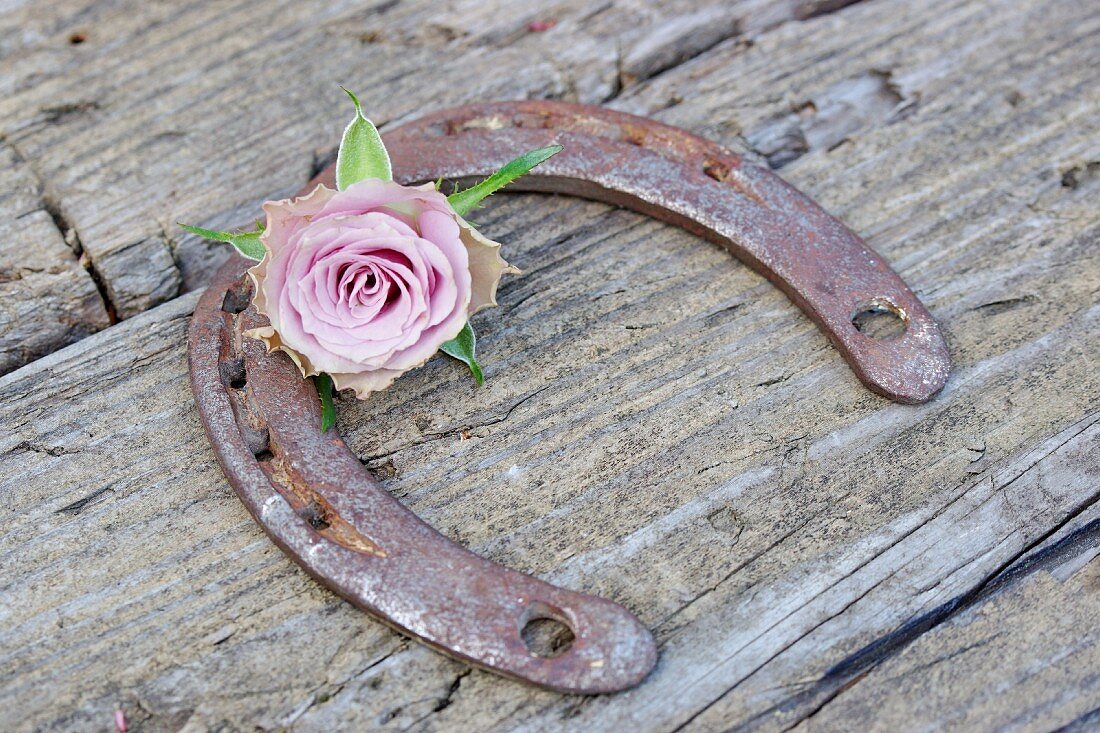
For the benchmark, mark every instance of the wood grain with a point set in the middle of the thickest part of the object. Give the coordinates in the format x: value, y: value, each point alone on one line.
x: 47, y: 298
x: 136, y: 115
x: 1026, y: 637
x: 658, y: 425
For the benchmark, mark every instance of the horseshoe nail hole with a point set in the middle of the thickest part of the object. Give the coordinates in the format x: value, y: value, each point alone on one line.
x: 716, y: 170
x: 314, y: 513
x: 233, y: 374
x: 236, y: 298
x: 880, y: 319
x: 545, y: 632
x: 264, y: 455
x: 258, y: 439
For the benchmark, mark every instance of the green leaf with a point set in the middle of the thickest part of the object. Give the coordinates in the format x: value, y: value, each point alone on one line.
x: 463, y: 202
x: 462, y: 347
x: 323, y: 382
x: 362, y: 154
x: 247, y: 243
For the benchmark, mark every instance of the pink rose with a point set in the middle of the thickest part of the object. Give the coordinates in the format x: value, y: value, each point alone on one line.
x: 369, y: 282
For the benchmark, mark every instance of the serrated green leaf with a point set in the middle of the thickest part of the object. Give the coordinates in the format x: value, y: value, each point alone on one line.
x: 462, y: 347
x: 247, y: 243
x: 463, y: 202
x: 362, y: 154
x: 323, y: 382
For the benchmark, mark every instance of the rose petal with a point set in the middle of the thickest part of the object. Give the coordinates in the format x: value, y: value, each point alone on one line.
x: 486, y: 267
x: 369, y: 282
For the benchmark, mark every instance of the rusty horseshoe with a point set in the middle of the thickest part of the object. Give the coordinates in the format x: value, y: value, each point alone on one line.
x: 320, y: 505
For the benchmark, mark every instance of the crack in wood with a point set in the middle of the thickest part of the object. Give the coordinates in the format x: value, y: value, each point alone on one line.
x: 314, y: 699
x: 83, y: 503
x: 856, y: 667
x: 433, y: 435
x: 52, y: 206
x: 849, y: 671
x: 930, y: 203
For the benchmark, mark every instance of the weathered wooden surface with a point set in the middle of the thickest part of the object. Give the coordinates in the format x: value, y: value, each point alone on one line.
x: 659, y: 425
x: 136, y: 115
x: 47, y: 298
x: 1028, y: 636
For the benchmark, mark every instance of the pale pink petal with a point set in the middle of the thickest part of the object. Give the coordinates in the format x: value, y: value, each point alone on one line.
x: 369, y: 282
x: 486, y: 267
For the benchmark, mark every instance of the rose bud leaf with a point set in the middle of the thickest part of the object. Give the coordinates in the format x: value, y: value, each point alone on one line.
x: 462, y: 347
x: 463, y: 202
x: 247, y: 243
x: 362, y: 154
x: 323, y: 382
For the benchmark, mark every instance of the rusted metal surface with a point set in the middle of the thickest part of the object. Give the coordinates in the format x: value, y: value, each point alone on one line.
x: 681, y: 178
x: 322, y: 507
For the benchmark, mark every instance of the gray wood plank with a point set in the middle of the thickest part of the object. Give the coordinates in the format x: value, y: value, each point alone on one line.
x: 47, y: 298
x: 659, y: 426
x: 136, y: 115
x: 1024, y: 658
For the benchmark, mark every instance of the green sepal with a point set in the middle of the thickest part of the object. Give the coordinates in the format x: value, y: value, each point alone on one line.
x: 362, y: 154
x: 463, y: 202
x: 462, y: 347
x: 247, y: 243
x: 323, y: 382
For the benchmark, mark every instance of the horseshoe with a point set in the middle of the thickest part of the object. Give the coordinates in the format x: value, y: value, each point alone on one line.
x: 320, y: 505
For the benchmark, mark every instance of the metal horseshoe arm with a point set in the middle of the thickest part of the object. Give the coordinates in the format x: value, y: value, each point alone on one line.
x: 675, y: 176
x: 321, y: 506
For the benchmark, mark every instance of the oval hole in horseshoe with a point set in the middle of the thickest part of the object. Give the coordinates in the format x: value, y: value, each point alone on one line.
x: 880, y: 319
x: 233, y: 374
x: 544, y: 630
x: 238, y: 297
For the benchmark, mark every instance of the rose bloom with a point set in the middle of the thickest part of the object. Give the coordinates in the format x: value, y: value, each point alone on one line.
x: 369, y: 282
